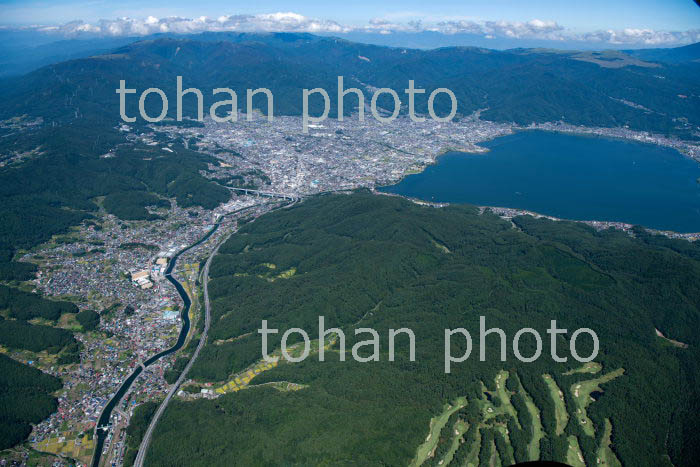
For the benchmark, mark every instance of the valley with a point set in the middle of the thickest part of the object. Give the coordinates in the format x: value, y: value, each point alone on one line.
x: 99, y: 325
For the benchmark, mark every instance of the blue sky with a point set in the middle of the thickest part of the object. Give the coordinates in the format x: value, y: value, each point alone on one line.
x: 490, y: 23
x: 576, y: 15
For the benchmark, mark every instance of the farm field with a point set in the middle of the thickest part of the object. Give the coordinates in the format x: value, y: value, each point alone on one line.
x: 69, y: 445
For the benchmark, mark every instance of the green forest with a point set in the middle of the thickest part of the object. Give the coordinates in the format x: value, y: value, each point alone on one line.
x: 88, y: 319
x: 46, y: 195
x: 20, y: 335
x: 25, y: 306
x: 383, y: 262
x: 138, y: 424
x: 131, y: 205
x: 16, y: 332
x: 25, y: 398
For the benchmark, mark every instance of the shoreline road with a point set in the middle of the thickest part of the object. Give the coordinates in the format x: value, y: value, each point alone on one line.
x: 143, y: 447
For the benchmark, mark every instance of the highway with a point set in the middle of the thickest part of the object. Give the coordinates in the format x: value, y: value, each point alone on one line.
x: 143, y: 447
x: 145, y: 442
x: 102, y: 428
x: 269, y: 194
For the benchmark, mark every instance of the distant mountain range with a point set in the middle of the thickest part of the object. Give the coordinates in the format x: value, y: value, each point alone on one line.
x: 688, y: 53
x: 655, y: 90
x: 22, y: 51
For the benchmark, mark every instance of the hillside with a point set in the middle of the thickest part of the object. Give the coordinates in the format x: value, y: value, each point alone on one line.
x: 383, y: 262
x: 520, y: 85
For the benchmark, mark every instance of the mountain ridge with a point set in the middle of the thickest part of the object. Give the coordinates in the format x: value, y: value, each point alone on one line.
x: 518, y: 85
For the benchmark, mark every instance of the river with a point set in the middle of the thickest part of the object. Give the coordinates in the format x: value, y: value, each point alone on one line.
x: 103, y: 421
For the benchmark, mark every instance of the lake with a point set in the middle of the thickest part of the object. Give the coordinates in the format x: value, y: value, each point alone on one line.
x: 568, y: 176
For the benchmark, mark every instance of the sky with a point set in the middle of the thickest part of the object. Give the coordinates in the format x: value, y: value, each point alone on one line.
x: 643, y: 21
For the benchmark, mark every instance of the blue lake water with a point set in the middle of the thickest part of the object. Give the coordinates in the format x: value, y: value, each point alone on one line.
x: 569, y: 176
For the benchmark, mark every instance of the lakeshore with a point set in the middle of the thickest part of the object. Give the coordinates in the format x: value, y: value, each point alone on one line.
x: 566, y: 176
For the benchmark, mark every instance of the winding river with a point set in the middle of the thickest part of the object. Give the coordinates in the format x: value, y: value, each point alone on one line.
x: 102, y: 428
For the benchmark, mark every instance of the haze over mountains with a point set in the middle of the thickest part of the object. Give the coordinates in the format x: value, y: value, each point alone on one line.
x: 519, y: 85
x: 25, y: 48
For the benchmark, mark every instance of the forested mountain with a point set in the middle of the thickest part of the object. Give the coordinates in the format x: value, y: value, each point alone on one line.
x: 47, y: 194
x: 380, y: 262
x: 519, y: 85
x: 25, y: 397
x: 685, y: 54
x: 79, y: 106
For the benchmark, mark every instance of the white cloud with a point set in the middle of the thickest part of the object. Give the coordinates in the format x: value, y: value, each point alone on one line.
x: 647, y: 37
x: 534, y: 29
x: 293, y: 22
x: 288, y: 21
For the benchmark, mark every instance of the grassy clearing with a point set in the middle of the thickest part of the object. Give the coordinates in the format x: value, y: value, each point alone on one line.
x: 501, y: 393
x: 606, y: 456
x: 473, y: 458
x: 283, y: 386
x: 70, y: 322
x: 582, y: 397
x: 574, y: 457
x: 559, y: 405
x: 232, y: 339
x: 495, y: 460
x: 459, y: 430
x: 667, y: 340
x: 507, y: 407
x: 441, y: 247
x: 590, y: 367
x: 287, y: 274
x: 436, y: 424
x: 538, y: 432
x: 511, y: 454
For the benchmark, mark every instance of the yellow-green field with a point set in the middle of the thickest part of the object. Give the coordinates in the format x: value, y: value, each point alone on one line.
x: 606, y: 456
x: 582, y: 397
x: 241, y: 380
x: 68, y: 444
x: 560, y: 412
x: 590, y: 367
x: 436, y: 424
